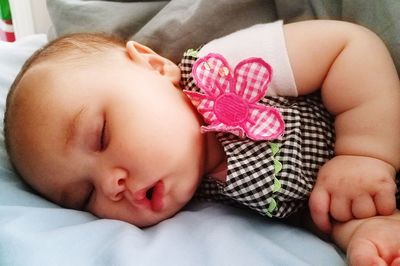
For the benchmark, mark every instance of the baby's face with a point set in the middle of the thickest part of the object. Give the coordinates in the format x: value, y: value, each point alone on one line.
x: 114, y: 138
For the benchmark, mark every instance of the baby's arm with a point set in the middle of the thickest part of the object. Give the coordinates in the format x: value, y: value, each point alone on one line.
x: 361, y: 88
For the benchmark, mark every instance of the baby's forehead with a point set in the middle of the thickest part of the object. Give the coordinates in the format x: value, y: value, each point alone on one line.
x: 38, y: 88
x: 46, y: 74
x: 36, y: 79
x: 57, y: 68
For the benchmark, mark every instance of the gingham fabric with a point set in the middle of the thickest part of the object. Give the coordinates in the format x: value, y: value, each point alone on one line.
x: 229, y: 102
x: 252, y: 177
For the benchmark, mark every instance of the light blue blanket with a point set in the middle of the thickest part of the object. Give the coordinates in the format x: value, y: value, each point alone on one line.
x: 34, y: 231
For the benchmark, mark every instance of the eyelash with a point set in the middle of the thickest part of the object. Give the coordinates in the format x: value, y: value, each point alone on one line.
x: 102, y: 137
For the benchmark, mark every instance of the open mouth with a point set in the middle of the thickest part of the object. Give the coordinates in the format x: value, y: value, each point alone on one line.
x: 149, y: 193
x: 156, y: 193
x: 153, y: 197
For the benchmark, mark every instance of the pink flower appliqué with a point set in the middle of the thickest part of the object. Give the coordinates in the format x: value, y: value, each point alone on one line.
x: 230, y: 100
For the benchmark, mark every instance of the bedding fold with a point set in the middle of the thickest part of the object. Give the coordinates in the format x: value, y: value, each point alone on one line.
x: 171, y: 27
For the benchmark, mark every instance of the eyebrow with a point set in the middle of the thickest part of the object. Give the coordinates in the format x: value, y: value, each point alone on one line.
x: 74, y: 125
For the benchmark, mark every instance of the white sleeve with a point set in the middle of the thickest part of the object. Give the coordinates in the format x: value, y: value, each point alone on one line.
x: 266, y: 41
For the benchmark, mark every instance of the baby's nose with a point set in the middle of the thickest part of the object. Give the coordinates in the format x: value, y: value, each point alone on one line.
x: 114, y: 184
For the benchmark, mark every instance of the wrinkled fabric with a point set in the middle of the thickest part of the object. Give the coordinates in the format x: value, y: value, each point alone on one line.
x: 170, y: 27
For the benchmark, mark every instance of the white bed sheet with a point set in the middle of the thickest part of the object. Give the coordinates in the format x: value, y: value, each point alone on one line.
x: 34, y: 231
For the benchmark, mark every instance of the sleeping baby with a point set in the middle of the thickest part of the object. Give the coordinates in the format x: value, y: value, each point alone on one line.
x: 275, y: 118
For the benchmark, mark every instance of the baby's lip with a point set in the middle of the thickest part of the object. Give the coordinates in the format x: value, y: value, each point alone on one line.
x: 157, y: 196
x: 151, y: 197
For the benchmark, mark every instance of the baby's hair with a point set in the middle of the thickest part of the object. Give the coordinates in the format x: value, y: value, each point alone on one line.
x: 68, y: 48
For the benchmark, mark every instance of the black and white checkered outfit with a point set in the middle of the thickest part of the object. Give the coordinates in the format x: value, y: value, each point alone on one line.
x: 308, y: 142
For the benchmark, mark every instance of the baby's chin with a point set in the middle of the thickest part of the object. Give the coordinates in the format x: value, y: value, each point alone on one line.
x: 153, y: 220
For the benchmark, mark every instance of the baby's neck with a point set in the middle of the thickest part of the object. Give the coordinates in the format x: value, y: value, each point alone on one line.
x: 215, y: 159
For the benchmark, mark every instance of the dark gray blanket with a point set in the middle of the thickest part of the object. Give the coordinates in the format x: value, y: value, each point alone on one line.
x: 170, y: 27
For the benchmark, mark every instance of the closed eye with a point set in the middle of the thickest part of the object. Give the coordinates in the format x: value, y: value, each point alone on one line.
x: 102, y: 137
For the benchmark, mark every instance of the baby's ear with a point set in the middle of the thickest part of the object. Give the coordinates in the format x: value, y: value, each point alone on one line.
x: 146, y: 57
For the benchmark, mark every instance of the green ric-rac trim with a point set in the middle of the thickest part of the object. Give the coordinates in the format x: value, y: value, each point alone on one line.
x: 274, y: 148
x: 192, y: 53
x: 271, y: 202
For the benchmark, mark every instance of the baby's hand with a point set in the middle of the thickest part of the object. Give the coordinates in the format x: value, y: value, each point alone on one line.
x: 371, y: 241
x: 350, y: 187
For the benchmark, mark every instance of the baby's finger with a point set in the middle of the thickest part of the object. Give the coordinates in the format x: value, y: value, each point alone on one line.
x: 363, y: 252
x: 363, y: 207
x: 385, y: 203
x: 341, y: 209
x: 319, y: 208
